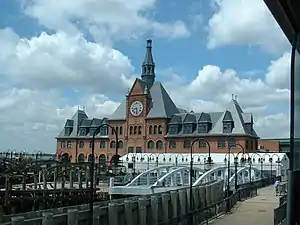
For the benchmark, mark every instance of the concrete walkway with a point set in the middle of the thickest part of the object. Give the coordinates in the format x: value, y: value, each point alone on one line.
x: 255, y: 211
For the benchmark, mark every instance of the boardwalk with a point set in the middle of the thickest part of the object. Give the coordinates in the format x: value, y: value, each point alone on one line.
x: 254, y: 211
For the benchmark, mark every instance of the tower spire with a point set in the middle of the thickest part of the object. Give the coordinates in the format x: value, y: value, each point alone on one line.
x: 148, y: 66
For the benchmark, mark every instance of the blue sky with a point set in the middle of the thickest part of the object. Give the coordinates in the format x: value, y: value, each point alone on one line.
x: 168, y: 52
x: 204, y: 51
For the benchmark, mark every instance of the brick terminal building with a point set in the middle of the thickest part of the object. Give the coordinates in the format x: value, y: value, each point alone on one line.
x: 149, y: 121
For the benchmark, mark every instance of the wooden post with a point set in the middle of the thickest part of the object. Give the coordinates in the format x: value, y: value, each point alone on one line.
x: 18, y: 220
x: 47, y: 218
x: 73, y: 217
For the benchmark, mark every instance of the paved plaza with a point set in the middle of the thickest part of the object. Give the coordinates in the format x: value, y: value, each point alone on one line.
x: 255, y: 211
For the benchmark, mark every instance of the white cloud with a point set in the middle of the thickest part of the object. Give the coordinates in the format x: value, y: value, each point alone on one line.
x: 31, y: 119
x: 104, y: 19
x: 63, y: 61
x: 274, y: 125
x: 243, y: 22
x: 215, y: 85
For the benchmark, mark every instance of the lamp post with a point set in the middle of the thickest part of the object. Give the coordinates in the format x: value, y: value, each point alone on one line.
x: 261, y: 170
x: 235, y: 172
x: 176, y: 158
x: 92, y: 166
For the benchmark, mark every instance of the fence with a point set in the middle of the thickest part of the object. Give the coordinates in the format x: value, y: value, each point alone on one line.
x: 280, y: 215
x: 280, y: 212
x: 166, y: 209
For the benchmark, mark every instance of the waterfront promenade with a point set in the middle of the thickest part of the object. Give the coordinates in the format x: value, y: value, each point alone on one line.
x: 254, y: 211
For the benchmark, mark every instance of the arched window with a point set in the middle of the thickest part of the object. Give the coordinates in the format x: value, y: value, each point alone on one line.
x: 120, y: 145
x: 91, y: 144
x: 81, y: 158
x: 172, y: 144
x: 187, y: 144
x: 81, y: 144
x: 155, y: 129
x: 159, y: 145
x: 121, y: 130
x: 112, y: 144
x: 90, y: 158
x: 135, y: 130
x: 160, y: 130
x: 102, y: 144
x: 63, y: 144
x: 69, y: 144
x: 150, y: 129
x: 65, y: 158
x: 130, y: 130
x: 150, y: 144
x: 140, y: 130
x: 102, y: 159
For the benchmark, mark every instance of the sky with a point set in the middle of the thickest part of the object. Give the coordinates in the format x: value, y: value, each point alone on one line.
x: 56, y: 57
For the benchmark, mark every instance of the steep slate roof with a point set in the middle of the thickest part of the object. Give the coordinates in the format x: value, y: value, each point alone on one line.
x: 162, y: 105
x: 77, y: 119
x: 81, y: 120
x: 233, y: 113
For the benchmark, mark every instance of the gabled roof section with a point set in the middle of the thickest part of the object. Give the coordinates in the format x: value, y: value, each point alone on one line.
x: 86, y: 123
x: 227, y: 117
x: 162, y: 104
x: 189, y: 118
x: 69, y: 123
x: 138, y: 87
x: 176, y: 119
x: 96, y: 122
x: 204, y: 118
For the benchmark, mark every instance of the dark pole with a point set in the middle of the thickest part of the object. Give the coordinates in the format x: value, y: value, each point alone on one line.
x: 293, y: 172
x: 236, y: 164
x: 228, y: 179
x: 235, y: 171
x: 191, y: 182
x: 271, y: 178
x: 261, y: 171
x: 92, y: 167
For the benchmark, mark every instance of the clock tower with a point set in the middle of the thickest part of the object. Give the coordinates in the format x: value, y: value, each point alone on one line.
x: 138, y: 103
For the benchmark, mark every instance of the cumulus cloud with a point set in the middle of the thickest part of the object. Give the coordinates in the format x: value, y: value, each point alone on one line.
x: 237, y: 22
x: 217, y: 85
x: 105, y: 20
x: 63, y: 61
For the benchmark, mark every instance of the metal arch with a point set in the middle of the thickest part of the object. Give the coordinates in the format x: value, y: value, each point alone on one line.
x: 208, y: 173
x: 148, y: 172
x: 178, y: 169
x: 240, y: 171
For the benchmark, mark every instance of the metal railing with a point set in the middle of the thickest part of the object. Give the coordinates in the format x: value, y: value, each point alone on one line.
x: 203, y: 216
x: 280, y: 215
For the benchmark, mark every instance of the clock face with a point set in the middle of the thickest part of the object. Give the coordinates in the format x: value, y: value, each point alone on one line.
x: 136, y: 108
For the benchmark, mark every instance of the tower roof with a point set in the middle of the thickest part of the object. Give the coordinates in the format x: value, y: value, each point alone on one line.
x: 148, y: 60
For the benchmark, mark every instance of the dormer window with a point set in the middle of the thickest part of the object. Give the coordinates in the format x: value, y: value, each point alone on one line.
x: 92, y: 130
x: 68, y: 131
x: 103, y: 131
x: 249, y: 127
x: 173, y: 129
x: 188, y: 128
x: 204, y: 127
x: 227, y: 126
x: 83, y: 131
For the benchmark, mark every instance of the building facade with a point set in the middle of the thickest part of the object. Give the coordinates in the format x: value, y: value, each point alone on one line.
x: 149, y: 121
